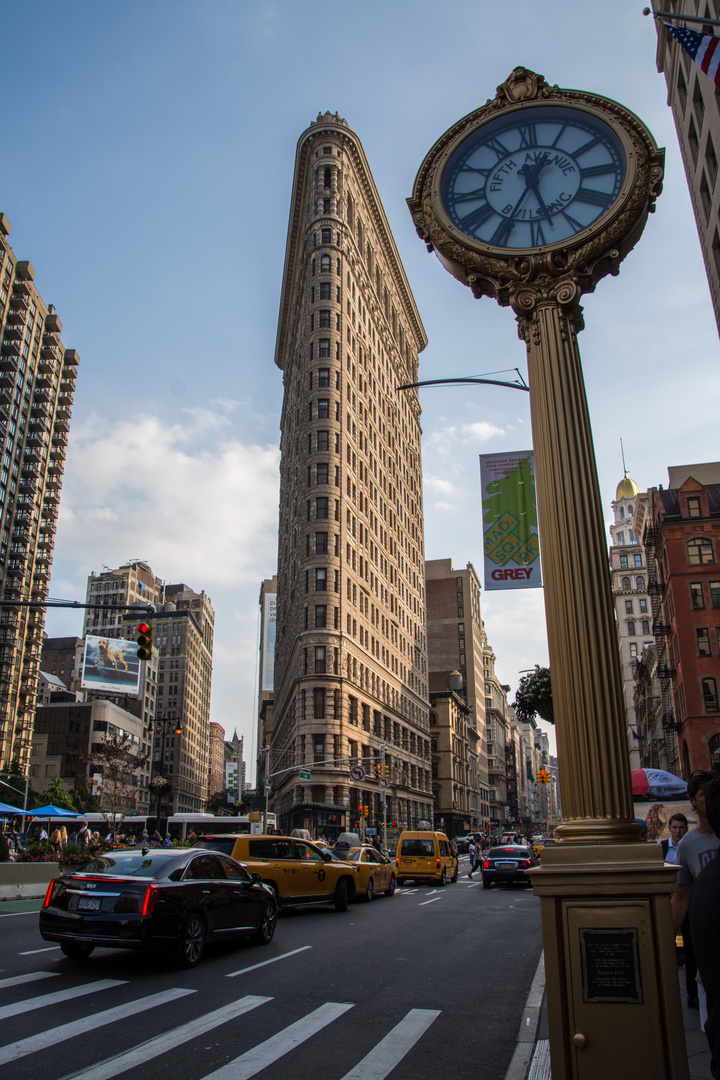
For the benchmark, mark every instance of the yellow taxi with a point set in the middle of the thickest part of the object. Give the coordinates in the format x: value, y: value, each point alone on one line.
x: 540, y: 842
x: 423, y: 855
x: 296, y: 870
x: 376, y: 874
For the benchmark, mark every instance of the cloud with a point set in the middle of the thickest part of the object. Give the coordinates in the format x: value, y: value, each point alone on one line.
x: 444, y: 440
x: 199, y: 513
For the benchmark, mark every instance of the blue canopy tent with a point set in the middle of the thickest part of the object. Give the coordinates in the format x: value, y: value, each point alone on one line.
x: 50, y: 811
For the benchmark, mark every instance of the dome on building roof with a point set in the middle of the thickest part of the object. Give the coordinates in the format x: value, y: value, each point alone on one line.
x: 627, y: 489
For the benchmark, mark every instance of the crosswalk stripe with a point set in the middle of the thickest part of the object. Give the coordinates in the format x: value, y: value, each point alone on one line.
x: 264, y: 963
x: 60, y: 995
x: 265, y: 1053
x: 48, y: 948
x: 18, y: 980
x: 33, y: 1043
x: 383, y: 1058
x: 142, y: 1053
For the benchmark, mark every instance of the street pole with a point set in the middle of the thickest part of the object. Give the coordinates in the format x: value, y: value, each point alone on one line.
x: 384, y: 799
x: 267, y: 788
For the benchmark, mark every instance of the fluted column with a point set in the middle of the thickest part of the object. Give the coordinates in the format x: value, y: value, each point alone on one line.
x: 594, y: 770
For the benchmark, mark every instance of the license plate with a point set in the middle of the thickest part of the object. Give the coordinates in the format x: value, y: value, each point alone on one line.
x: 506, y: 866
x: 89, y: 903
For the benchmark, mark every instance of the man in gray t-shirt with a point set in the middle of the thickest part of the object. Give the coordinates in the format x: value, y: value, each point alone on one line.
x: 696, y: 848
x: 694, y: 852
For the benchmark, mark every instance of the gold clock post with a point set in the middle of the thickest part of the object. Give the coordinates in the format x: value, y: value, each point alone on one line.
x: 612, y: 986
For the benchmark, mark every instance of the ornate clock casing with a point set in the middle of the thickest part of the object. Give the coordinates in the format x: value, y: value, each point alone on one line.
x: 541, y: 191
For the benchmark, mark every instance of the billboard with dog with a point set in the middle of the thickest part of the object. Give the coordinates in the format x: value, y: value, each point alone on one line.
x: 111, y: 665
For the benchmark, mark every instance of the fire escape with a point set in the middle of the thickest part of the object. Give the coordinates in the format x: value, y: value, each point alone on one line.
x: 665, y: 671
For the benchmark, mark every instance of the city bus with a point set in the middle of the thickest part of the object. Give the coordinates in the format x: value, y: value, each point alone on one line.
x: 179, y: 826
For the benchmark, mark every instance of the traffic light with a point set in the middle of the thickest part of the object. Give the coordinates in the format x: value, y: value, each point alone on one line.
x: 144, y: 641
x: 543, y: 776
x: 386, y: 772
x: 378, y: 771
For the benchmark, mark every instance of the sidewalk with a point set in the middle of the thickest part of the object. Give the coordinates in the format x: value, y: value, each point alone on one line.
x: 531, y: 1060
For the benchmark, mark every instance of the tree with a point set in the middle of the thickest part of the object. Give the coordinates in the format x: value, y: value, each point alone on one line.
x: 56, y: 795
x: 116, y: 761
x: 534, y: 696
x: 220, y: 801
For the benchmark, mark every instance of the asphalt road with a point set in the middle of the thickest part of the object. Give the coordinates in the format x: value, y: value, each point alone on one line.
x: 427, y: 983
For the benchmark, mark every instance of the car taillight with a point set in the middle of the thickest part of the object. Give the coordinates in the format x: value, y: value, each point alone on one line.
x: 48, y: 894
x: 526, y: 863
x: 149, y: 901
x: 486, y: 864
x: 438, y: 862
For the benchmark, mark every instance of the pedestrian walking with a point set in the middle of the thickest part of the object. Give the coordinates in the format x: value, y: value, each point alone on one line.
x: 471, y: 851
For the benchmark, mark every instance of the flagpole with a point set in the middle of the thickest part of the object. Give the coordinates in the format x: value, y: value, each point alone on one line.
x: 680, y: 18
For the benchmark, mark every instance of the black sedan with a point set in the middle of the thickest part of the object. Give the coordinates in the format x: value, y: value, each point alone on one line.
x: 155, y: 898
x: 508, y: 864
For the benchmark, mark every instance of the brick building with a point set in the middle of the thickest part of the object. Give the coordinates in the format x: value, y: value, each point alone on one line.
x: 681, y: 526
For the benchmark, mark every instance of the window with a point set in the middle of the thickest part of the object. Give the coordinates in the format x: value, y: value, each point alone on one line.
x: 623, y: 562
x: 323, y: 373
x: 322, y: 472
x: 324, y: 347
x: 326, y: 234
x: 700, y: 552
x: 324, y: 320
x: 625, y: 583
x: 321, y: 508
x: 621, y: 538
x: 703, y: 641
x: 628, y: 607
x: 640, y: 584
x: 633, y: 650
x: 715, y: 594
x: 320, y: 659
x: 325, y: 264
x: 646, y: 626
x: 693, y: 505
x: 321, y: 544
x: 710, y: 696
x: 320, y: 616
x: 320, y: 578
x: 323, y: 440
x: 696, y: 595
x: 631, y: 627
x: 323, y: 409
x: 637, y: 559
x: 325, y: 290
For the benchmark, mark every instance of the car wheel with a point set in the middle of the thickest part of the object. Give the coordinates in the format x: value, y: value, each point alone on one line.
x: 370, y: 891
x: 340, y: 897
x: 276, y: 893
x: 391, y: 887
x: 487, y: 884
x: 191, y: 943
x: 442, y: 877
x: 268, y: 920
x: 75, y: 950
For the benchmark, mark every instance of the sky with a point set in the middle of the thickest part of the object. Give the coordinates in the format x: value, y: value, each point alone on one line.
x: 147, y: 153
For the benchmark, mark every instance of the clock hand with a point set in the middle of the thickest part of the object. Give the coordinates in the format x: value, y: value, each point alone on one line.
x: 532, y: 180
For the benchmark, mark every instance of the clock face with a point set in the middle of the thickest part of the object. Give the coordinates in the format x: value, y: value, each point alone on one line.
x: 536, y: 176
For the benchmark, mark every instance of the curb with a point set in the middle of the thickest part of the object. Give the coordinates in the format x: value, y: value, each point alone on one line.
x: 527, y: 1032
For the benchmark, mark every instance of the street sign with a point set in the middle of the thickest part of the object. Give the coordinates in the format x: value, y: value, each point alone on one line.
x: 383, y: 782
x: 357, y: 773
x: 305, y: 775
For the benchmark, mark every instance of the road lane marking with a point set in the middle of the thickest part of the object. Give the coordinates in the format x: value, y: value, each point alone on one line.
x: 434, y: 899
x: 14, y: 914
x: 264, y: 963
x: 19, y: 1007
x: 23, y: 1047
x: 17, y: 980
x: 383, y: 1058
x: 31, y: 952
x: 266, y: 1053
x: 153, y: 1048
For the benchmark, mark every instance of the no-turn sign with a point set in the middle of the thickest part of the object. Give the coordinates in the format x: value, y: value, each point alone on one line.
x: 357, y: 772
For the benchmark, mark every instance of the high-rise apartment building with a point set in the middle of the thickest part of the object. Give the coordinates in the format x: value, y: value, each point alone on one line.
x: 455, y: 644
x: 497, y: 732
x: 695, y: 103
x: 177, y: 682
x: 351, y: 660
x: 37, y: 385
x: 633, y: 608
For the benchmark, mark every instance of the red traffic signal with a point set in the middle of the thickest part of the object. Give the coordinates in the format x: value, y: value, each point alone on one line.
x: 144, y: 641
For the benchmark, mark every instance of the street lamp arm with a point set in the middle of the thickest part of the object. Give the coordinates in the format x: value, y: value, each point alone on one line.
x: 469, y: 379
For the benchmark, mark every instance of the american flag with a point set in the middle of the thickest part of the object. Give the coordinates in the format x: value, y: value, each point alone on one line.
x: 704, y: 49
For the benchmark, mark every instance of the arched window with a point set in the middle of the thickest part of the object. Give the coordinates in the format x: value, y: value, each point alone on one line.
x: 626, y: 583
x: 640, y: 583
x: 700, y: 552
